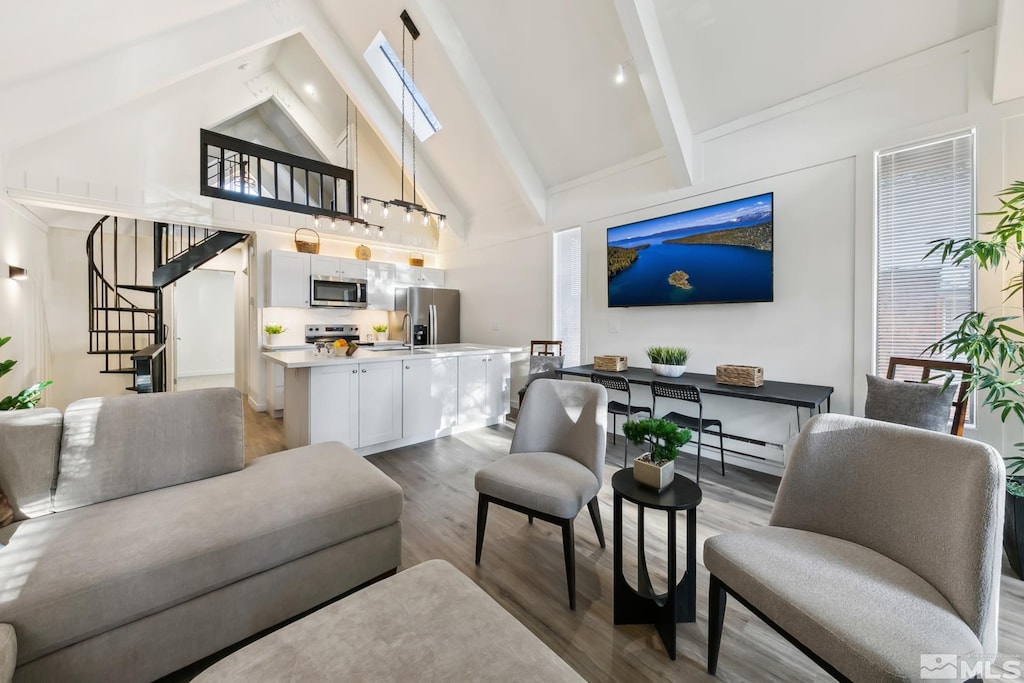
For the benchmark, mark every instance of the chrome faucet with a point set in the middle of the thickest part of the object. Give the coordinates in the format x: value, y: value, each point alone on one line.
x: 407, y: 326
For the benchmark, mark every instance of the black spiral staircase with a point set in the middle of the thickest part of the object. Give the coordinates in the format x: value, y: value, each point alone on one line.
x: 126, y: 318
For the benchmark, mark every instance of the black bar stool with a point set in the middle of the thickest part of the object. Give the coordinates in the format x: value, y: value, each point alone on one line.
x: 690, y: 394
x: 616, y: 383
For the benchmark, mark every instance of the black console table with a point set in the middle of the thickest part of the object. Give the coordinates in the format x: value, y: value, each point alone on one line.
x: 810, y: 396
x: 642, y: 605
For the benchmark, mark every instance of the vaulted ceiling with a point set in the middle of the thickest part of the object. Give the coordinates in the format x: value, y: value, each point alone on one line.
x: 524, y: 90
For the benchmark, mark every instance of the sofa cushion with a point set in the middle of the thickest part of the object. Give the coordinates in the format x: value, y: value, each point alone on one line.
x: 868, y: 616
x: 29, y: 444
x: 915, y: 404
x: 120, y: 446
x: 546, y: 482
x: 78, y: 573
x: 428, y: 623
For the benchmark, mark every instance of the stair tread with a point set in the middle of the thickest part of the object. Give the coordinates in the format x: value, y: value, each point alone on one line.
x: 126, y: 309
x: 121, y: 371
x: 140, y: 288
x: 147, y: 331
x: 112, y: 352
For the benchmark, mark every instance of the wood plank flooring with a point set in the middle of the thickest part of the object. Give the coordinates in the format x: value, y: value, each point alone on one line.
x: 522, y: 566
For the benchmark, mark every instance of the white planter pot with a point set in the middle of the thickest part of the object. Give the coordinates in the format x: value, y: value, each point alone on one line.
x: 271, y: 338
x: 668, y: 370
x: 655, y: 476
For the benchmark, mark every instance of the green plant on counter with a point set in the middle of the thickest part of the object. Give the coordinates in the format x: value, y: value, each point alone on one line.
x: 380, y: 329
x: 27, y: 398
x: 665, y: 438
x: 668, y: 355
x: 274, y: 329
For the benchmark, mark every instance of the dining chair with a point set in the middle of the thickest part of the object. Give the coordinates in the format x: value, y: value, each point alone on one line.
x: 542, y: 366
x: 923, y: 370
x: 616, y: 408
x: 555, y: 464
x: 689, y: 394
x: 546, y: 347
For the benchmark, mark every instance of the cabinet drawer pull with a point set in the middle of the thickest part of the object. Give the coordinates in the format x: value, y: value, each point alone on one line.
x: 354, y: 371
x: 364, y: 370
x: 407, y: 367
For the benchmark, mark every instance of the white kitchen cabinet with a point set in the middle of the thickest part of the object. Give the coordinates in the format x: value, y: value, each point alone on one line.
x: 430, y: 391
x: 380, y: 288
x: 416, y: 276
x: 499, y: 373
x: 274, y: 388
x: 329, y: 266
x: 288, y: 278
x: 380, y: 402
x: 483, y: 387
x: 352, y: 269
x: 334, y: 405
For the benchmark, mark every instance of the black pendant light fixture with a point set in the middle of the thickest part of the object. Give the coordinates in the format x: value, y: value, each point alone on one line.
x: 410, y: 206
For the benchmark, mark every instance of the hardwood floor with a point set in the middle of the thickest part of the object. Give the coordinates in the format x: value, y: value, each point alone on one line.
x: 522, y: 565
x: 263, y: 434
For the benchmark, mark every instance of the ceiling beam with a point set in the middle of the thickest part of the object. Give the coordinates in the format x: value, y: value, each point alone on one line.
x: 639, y: 21
x: 385, y: 121
x: 1007, y: 82
x: 517, y: 163
x: 61, y: 98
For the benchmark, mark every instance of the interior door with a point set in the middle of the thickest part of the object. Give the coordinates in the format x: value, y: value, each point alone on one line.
x: 204, y: 330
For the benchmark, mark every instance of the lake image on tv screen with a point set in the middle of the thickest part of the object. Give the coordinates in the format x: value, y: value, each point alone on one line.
x: 720, y: 253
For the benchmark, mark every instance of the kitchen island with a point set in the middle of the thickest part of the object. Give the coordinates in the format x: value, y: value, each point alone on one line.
x: 376, y: 400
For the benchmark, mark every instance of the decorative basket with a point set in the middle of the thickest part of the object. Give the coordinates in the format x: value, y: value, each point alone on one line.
x: 363, y: 252
x: 610, y: 363
x: 307, y: 246
x: 415, y: 259
x: 740, y: 375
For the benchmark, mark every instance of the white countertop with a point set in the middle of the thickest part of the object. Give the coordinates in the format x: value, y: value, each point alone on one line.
x: 286, y: 347
x: 308, y: 359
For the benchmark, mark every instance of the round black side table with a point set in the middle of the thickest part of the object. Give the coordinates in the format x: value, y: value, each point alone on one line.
x: 641, y: 605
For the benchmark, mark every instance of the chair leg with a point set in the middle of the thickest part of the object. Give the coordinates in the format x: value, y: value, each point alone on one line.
x: 700, y: 431
x: 721, y: 449
x: 716, y: 619
x: 595, y: 517
x: 530, y: 518
x: 481, y: 522
x: 614, y: 418
x: 569, y: 546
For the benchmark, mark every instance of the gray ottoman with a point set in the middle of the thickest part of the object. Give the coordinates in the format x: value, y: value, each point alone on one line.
x: 428, y: 623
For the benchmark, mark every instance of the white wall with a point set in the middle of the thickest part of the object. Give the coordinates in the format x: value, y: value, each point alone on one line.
x: 816, y: 154
x: 22, y: 312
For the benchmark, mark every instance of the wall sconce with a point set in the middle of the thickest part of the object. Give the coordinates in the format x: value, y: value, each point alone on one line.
x: 17, y: 273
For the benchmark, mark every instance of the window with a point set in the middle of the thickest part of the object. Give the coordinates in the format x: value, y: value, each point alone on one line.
x: 398, y: 83
x: 567, y: 278
x: 924, y: 193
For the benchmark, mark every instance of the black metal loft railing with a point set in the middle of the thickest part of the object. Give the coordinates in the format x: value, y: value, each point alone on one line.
x: 242, y: 171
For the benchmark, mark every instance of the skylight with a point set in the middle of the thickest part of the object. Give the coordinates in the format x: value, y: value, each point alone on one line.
x: 388, y: 67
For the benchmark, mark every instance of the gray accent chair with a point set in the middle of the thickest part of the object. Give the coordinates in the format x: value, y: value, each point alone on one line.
x: 555, y: 464
x: 884, y: 545
x: 142, y: 541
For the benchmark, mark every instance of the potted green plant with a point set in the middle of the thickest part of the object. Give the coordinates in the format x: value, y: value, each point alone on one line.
x: 26, y: 398
x: 381, y: 331
x: 272, y: 330
x: 992, y: 344
x: 668, y: 361
x: 655, y: 468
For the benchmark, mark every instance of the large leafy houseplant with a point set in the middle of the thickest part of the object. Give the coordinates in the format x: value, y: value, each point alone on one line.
x: 27, y: 398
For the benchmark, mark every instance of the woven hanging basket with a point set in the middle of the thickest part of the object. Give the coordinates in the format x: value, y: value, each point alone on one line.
x: 307, y: 246
x: 363, y: 252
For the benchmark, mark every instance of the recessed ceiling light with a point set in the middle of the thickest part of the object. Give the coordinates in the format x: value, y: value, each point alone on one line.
x: 620, y: 75
x: 310, y: 90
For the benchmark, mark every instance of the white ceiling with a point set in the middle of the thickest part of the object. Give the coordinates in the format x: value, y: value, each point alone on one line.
x: 736, y: 57
x: 545, y: 107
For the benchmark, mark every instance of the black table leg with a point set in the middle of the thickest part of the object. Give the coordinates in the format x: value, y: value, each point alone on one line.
x: 666, y: 623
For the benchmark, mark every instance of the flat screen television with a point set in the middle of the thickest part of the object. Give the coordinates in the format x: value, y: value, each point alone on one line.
x: 715, y: 254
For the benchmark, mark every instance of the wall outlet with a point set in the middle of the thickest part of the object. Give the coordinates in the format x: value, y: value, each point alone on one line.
x: 613, y: 326
x: 495, y: 327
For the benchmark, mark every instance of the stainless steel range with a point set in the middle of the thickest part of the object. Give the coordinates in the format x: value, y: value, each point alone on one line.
x: 320, y: 334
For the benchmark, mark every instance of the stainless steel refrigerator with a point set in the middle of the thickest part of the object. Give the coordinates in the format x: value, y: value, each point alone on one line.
x: 433, y: 314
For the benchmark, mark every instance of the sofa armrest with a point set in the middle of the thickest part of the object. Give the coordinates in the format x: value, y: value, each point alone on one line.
x: 8, y: 653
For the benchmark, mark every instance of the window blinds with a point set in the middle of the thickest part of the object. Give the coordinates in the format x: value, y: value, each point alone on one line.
x: 924, y: 193
x: 567, y: 278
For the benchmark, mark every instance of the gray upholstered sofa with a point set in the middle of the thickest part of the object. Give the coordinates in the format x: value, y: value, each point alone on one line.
x: 141, y: 543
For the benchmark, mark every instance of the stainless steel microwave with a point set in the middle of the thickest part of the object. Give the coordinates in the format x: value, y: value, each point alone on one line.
x: 326, y: 290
